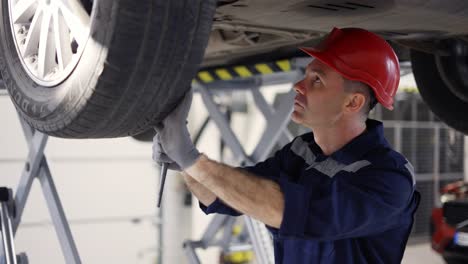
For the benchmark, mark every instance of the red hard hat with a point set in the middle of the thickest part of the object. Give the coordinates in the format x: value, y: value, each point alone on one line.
x: 360, y: 55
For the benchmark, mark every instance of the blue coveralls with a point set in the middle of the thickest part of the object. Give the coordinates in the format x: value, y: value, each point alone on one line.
x: 354, y: 206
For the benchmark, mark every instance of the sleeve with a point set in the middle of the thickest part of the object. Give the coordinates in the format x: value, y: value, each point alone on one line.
x: 219, y: 207
x: 267, y: 169
x: 351, y: 205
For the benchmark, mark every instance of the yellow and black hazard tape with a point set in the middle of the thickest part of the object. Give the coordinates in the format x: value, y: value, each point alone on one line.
x: 242, y: 71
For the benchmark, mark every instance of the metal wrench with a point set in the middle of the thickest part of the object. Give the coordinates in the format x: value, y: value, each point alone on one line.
x: 162, y: 181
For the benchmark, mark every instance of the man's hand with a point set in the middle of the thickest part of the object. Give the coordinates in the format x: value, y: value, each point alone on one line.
x: 172, y: 143
x: 161, y: 157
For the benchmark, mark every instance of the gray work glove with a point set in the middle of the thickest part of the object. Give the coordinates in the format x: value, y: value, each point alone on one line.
x: 161, y: 157
x: 173, y: 138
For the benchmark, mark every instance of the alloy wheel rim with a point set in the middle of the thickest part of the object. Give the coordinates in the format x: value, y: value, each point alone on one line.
x: 50, y: 36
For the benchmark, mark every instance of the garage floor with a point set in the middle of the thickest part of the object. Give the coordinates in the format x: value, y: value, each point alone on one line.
x: 421, y: 253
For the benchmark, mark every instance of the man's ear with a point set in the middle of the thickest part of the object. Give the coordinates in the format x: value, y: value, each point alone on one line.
x: 355, y: 102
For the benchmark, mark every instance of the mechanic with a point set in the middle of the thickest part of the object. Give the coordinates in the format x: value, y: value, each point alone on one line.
x: 338, y: 194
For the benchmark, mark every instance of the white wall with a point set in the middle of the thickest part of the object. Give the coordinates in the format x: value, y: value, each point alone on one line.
x: 102, y: 183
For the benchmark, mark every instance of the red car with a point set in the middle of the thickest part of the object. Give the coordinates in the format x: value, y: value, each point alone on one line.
x: 449, y: 224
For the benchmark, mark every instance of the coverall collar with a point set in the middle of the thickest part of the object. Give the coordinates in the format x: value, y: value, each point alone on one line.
x: 357, y: 147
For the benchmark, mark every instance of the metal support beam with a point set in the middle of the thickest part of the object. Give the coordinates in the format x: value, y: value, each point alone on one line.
x: 261, y: 241
x: 36, y: 166
x: 36, y: 144
x: 276, y: 125
x: 226, y: 132
x: 269, y: 113
x: 215, y: 225
x: 7, y: 212
x: 189, y: 248
x: 274, y: 132
x: 62, y: 228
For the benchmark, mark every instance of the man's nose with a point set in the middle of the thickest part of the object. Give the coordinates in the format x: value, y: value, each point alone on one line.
x: 299, y: 87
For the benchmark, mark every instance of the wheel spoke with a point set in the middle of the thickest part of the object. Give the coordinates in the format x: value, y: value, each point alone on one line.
x: 62, y: 40
x: 32, y: 39
x: 46, y: 52
x: 76, y: 19
x: 23, y: 11
x: 77, y: 8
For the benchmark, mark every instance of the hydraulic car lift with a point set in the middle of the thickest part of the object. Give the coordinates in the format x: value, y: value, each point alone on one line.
x: 36, y: 166
x: 275, y: 132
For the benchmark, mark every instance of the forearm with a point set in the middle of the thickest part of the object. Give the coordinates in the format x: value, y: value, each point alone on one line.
x: 257, y: 197
x: 204, y: 195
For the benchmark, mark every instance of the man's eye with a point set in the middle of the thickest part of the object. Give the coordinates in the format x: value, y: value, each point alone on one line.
x: 317, y: 80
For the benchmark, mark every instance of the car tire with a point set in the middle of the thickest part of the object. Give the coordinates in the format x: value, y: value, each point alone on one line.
x: 145, y: 136
x: 442, y: 101
x: 137, y: 63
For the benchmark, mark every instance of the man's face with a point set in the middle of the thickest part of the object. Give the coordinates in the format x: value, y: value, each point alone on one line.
x: 320, y: 96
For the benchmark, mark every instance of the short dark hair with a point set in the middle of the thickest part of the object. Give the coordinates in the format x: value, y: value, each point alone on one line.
x: 351, y: 86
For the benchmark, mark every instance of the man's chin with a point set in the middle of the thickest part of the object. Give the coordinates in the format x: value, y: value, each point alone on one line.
x: 296, y: 118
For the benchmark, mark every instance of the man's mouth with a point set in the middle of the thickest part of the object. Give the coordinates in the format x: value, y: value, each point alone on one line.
x: 298, y: 102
